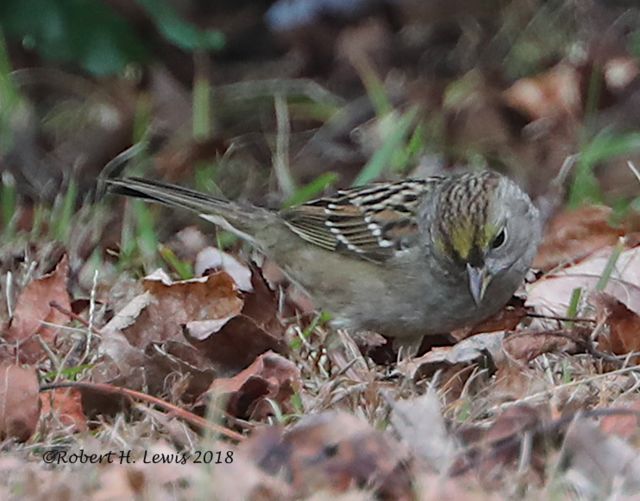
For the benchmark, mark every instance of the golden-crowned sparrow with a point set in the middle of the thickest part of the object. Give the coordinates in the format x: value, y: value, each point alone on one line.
x: 404, y: 259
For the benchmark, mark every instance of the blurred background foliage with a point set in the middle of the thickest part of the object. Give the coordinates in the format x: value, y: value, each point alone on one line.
x: 91, y: 35
x: 278, y: 101
x: 81, y: 32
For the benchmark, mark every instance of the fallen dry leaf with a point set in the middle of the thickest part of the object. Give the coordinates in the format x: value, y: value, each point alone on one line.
x: 296, y: 299
x: 200, y: 330
x: 269, y: 377
x: 575, y: 234
x: 65, y: 406
x: 506, y: 319
x: 161, y: 368
x: 176, y: 366
x: 512, y: 422
x: 624, y: 325
x: 467, y: 351
x: 212, y: 259
x: 420, y: 423
x: 173, y: 304
x: 256, y: 483
x: 237, y: 345
x: 549, y: 94
x: 164, y: 472
x: 34, y: 307
x: 500, y: 445
x: 262, y: 305
x: 19, y: 402
x: 154, y: 317
x: 256, y: 330
x: 119, y: 361
x: 513, y: 381
x: 178, y: 433
x: 116, y: 483
x: 177, y: 336
x: 551, y: 294
x: 128, y: 315
x: 526, y: 346
x: 624, y: 426
x: 600, y: 465
x: 333, y: 451
x: 435, y: 487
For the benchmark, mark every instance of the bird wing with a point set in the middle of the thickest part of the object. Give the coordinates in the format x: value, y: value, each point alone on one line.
x: 372, y: 222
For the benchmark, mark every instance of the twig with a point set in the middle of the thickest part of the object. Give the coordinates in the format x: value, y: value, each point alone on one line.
x: 633, y: 169
x: 286, y: 87
x: 560, y: 318
x: 9, y: 294
x: 92, y: 311
x: 73, y: 316
x: 281, y: 157
x: 586, y: 344
x: 552, y: 390
x: 47, y: 349
x: 118, y: 390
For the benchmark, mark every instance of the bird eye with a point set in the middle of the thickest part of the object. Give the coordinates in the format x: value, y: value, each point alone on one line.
x: 499, y: 240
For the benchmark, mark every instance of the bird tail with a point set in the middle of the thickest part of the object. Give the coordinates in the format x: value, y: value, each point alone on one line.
x: 218, y: 210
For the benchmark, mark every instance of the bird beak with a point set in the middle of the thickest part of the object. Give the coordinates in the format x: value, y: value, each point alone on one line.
x: 479, y: 280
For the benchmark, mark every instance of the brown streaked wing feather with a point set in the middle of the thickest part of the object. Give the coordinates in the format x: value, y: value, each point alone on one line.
x: 308, y: 222
x: 371, y: 222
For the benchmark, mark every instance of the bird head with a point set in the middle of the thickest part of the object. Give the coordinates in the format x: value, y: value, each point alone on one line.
x: 484, y: 224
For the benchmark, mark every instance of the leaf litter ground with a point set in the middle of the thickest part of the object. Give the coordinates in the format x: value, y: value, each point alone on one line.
x: 548, y: 404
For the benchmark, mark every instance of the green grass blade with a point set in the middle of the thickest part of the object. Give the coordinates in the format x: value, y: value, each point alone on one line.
x: 9, y: 98
x: 312, y: 190
x: 62, y: 227
x: 146, y: 239
x: 604, y: 146
x: 383, y: 157
x: 201, y: 107
x: 374, y: 87
x: 574, y: 304
x: 9, y: 203
x: 610, y: 266
x: 182, y: 268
